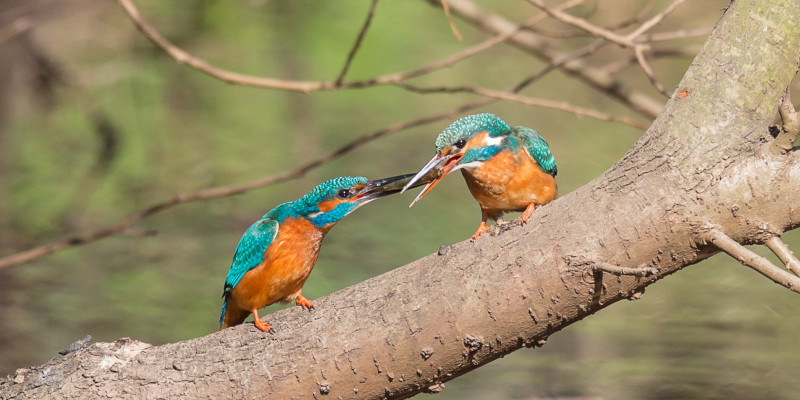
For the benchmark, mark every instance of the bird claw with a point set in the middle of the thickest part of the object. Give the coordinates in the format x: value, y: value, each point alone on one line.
x: 482, y: 228
x: 304, y: 302
x: 526, y: 215
x: 261, y: 325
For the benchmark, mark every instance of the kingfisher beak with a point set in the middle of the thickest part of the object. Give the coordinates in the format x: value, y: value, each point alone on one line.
x: 435, y: 170
x: 386, y: 186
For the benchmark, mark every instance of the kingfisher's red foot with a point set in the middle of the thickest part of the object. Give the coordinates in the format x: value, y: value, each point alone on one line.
x: 526, y: 215
x: 482, y: 228
x: 304, y: 302
x: 263, y: 326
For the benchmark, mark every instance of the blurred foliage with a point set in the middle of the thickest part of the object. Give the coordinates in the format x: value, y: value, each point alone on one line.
x: 716, y: 330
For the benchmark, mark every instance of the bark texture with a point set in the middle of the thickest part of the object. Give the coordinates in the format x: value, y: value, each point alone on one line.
x: 408, y: 331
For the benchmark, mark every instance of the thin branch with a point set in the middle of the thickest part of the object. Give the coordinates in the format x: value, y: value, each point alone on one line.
x: 628, y: 40
x: 470, y: 51
x: 617, y: 270
x: 615, y: 67
x: 453, y: 28
x: 621, y: 25
x: 673, y: 35
x: 357, y: 44
x: 639, y: 52
x: 183, y: 57
x: 512, y: 96
x: 649, y: 24
x: 530, y: 101
x: 785, y: 254
x: 583, y: 24
x: 753, y: 260
x: 494, y: 23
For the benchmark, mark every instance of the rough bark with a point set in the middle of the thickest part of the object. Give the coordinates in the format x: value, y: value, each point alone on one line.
x: 698, y: 167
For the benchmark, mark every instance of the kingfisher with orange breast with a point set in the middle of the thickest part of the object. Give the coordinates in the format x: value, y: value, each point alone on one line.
x: 276, y: 254
x: 506, y: 168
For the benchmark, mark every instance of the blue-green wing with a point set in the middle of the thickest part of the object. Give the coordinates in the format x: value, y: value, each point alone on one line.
x: 538, y: 149
x: 250, y: 251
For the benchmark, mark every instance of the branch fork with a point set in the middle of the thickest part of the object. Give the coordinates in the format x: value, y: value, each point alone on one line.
x: 760, y: 264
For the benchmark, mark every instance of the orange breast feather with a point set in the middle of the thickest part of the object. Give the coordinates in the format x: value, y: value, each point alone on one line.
x: 287, y: 263
x: 510, y: 182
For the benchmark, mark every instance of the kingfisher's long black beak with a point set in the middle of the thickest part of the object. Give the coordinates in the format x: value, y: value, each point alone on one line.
x: 433, y: 171
x: 386, y: 186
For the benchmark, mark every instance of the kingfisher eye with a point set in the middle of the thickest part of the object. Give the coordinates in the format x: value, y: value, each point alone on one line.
x: 460, y: 143
x: 344, y: 194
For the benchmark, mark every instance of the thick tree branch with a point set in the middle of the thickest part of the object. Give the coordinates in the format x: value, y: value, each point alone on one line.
x: 753, y: 260
x: 418, y: 326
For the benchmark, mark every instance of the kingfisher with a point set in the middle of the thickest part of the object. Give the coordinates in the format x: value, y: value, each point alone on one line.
x: 276, y: 253
x: 506, y: 168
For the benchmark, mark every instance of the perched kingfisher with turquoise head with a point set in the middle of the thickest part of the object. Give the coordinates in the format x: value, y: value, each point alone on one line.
x: 506, y: 168
x: 276, y: 253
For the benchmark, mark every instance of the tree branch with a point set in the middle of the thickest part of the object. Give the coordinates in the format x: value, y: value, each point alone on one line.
x: 598, y: 79
x: 357, y: 44
x: 619, y: 271
x: 638, y: 51
x: 791, y: 125
x: 753, y: 260
x: 531, y: 101
x: 785, y: 254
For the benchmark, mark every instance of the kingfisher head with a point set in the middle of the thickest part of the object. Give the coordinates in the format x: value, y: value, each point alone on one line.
x: 333, y: 199
x: 466, y: 143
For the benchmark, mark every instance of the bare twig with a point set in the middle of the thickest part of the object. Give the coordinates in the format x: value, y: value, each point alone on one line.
x: 357, y: 44
x: 649, y: 24
x: 541, y: 48
x: 453, y: 28
x: 583, y: 24
x: 628, y: 40
x: 785, y: 254
x: 639, y: 52
x: 673, y: 35
x: 512, y: 96
x: 184, y: 57
x: 531, y: 101
x: 753, y: 260
x: 472, y: 50
x: 617, y: 270
x: 619, y: 65
x: 620, y: 25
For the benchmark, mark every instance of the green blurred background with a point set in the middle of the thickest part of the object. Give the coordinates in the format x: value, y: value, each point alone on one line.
x: 96, y: 124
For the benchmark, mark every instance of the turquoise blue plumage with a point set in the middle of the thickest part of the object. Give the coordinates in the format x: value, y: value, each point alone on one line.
x: 537, y: 147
